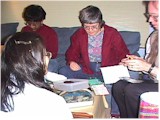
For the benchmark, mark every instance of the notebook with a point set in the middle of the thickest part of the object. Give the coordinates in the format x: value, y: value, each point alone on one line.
x: 112, y: 74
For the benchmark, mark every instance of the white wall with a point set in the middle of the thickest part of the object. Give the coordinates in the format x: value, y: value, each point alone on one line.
x: 123, y: 15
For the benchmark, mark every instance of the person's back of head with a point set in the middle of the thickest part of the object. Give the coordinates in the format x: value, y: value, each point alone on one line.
x: 22, y: 62
x: 34, y: 13
x: 90, y: 15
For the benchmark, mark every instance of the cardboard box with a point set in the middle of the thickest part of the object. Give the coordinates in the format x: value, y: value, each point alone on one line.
x: 70, y: 85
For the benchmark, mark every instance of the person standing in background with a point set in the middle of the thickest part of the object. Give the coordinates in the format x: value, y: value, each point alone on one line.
x: 126, y: 94
x: 34, y: 15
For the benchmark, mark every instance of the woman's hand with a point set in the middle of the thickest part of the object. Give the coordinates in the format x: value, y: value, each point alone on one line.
x: 74, y: 66
x: 135, y: 63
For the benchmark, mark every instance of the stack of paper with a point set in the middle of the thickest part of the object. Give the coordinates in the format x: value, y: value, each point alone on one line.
x: 54, y: 77
x: 100, y: 89
x: 112, y: 74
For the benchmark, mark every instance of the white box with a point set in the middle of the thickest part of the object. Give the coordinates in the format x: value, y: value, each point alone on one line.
x: 73, y: 85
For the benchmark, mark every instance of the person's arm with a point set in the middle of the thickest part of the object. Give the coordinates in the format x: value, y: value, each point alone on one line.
x: 119, y: 45
x: 153, y: 70
x: 52, y: 44
x: 139, y: 64
x: 73, y: 52
x: 150, y: 69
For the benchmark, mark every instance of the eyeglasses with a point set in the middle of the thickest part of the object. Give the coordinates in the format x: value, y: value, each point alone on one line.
x: 155, y: 17
x: 49, y: 55
x: 94, y: 27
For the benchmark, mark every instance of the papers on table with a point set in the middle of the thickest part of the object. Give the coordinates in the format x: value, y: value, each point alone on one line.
x: 112, y: 74
x: 54, y: 77
x: 80, y: 104
x: 100, y: 89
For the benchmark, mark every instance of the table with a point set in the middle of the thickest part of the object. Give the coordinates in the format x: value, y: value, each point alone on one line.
x: 99, y: 109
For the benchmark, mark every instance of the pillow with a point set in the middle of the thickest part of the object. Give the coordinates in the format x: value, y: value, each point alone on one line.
x: 64, y: 34
x: 132, y: 40
x: 8, y: 29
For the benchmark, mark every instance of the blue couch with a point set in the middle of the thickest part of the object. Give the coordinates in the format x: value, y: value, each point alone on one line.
x: 131, y: 38
x: 8, y: 29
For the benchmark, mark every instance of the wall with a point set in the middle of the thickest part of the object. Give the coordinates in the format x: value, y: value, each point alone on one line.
x: 123, y: 15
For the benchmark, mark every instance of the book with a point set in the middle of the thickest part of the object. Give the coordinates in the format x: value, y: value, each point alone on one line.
x: 100, y: 89
x: 112, y: 74
x: 78, y: 98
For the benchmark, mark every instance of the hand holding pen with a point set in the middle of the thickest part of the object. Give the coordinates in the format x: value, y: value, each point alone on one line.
x: 135, y: 63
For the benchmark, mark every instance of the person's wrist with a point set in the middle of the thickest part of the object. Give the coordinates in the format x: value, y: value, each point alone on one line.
x: 69, y: 62
x: 151, y: 68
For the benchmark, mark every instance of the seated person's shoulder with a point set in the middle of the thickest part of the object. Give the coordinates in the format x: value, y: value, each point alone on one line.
x: 111, y: 31
x: 48, y: 28
x: 79, y: 31
x: 110, y: 28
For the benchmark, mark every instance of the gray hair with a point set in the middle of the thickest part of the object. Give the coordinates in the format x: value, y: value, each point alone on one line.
x: 91, y: 14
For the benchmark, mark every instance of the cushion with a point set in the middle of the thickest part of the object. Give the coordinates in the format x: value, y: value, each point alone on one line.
x: 132, y: 40
x: 64, y: 35
x: 8, y: 29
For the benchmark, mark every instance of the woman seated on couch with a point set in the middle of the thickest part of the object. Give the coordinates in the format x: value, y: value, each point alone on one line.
x: 94, y: 45
x: 34, y: 15
x: 24, y: 64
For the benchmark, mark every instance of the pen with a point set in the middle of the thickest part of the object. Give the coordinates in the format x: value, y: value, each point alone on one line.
x: 130, y: 58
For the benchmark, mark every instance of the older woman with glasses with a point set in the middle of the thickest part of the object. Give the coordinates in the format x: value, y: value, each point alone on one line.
x: 94, y: 45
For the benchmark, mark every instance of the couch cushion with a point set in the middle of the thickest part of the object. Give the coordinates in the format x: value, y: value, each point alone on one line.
x: 132, y: 40
x: 7, y: 29
x: 64, y: 35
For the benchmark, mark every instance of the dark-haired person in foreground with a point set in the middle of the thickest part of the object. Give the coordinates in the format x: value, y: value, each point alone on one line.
x: 127, y: 95
x: 34, y: 15
x: 24, y: 64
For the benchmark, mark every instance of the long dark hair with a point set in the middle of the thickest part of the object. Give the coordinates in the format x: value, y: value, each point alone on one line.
x: 152, y: 57
x: 22, y: 62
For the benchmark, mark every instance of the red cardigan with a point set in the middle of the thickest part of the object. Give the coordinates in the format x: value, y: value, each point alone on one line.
x: 49, y: 36
x: 113, y: 48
